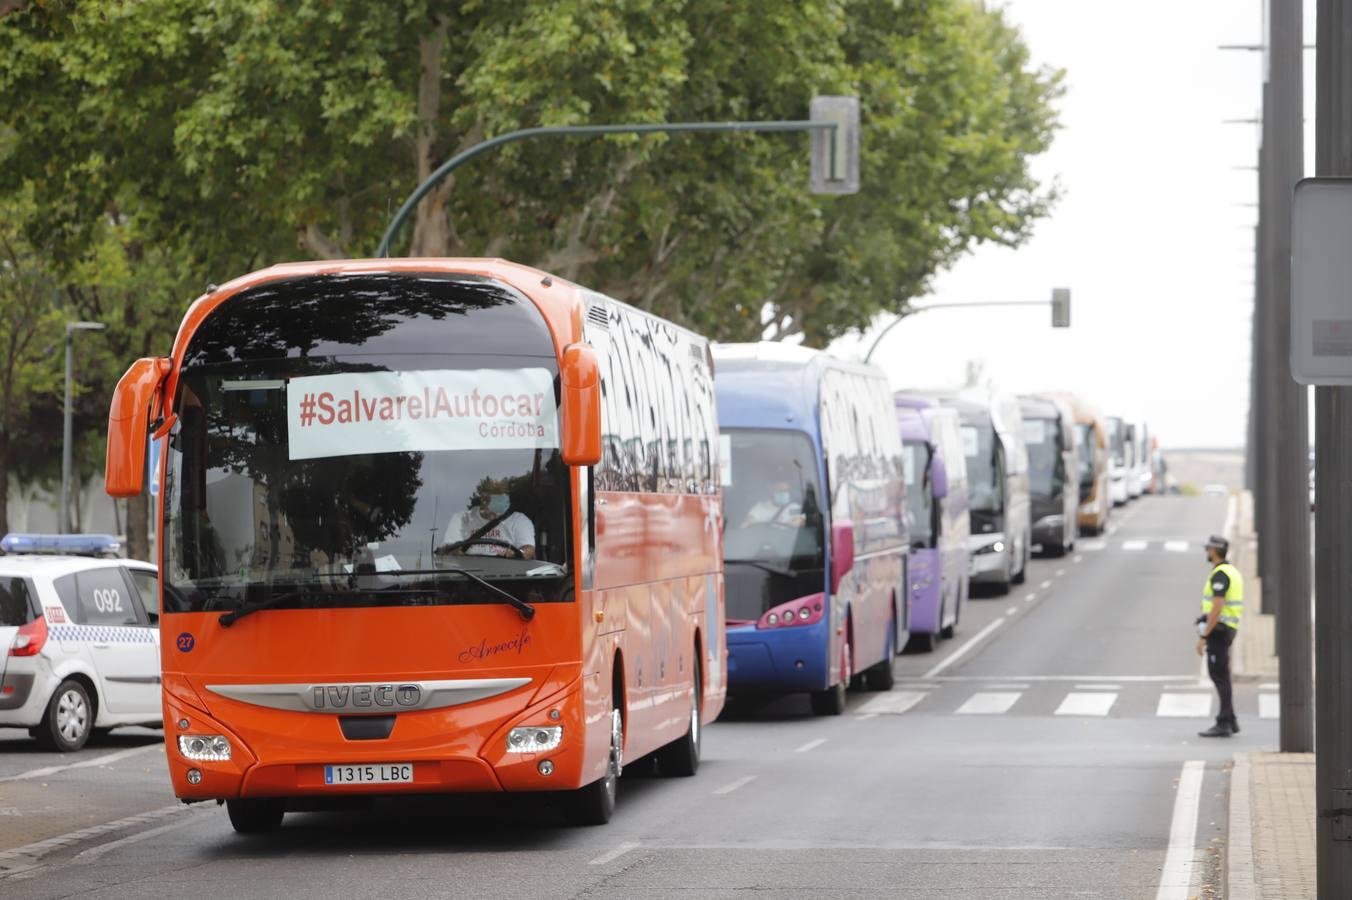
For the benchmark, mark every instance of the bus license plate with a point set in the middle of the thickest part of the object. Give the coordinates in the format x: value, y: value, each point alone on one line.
x: 373, y: 773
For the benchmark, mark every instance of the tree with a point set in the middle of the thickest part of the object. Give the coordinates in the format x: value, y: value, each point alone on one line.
x: 30, y: 333
x: 254, y: 131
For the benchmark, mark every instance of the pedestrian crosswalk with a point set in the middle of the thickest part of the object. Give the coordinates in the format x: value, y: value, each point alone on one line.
x: 1134, y: 545
x: 1067, y: 700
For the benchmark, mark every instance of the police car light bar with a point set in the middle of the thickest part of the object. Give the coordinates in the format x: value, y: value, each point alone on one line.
x: 64, y: 544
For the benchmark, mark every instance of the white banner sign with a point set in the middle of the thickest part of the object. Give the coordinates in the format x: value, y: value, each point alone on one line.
x: 441, y: 409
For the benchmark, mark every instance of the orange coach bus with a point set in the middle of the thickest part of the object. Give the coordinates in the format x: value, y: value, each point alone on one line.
x: 428, y: 525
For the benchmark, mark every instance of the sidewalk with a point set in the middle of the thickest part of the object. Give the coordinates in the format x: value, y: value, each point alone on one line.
x: 1272, y: 800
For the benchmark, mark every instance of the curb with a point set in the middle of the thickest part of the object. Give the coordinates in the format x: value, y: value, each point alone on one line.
x: 1239, y: 864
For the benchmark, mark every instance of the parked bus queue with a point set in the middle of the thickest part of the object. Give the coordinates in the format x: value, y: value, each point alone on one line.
x: 438, y: 525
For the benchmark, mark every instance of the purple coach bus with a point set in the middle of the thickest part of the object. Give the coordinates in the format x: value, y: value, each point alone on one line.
x: 936, y: 493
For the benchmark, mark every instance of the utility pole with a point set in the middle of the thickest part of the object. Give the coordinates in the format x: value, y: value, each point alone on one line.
x: 1333, y: 495
x: 1283, y: 121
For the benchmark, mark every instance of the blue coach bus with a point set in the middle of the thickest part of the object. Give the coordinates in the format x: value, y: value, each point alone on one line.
x: 815, y: 536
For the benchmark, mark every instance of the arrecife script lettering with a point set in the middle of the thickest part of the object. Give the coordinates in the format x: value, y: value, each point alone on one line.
x: 484, y: 650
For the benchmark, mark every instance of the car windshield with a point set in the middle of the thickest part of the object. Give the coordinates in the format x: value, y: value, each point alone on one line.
x: 773, y: 538
x: 340, y: 439
x: 1044, y: 453
x: 919, y: 499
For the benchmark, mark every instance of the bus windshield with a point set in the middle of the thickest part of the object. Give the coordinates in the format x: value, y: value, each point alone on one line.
x: 355, y: 441
x: 1085, y: 463
x: 1117, y: 441
x: 1044, y: 454
x: 773, y: 544
x: 919, y: 499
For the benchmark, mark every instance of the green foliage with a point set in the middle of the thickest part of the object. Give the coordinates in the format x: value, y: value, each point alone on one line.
x: 233, y: 134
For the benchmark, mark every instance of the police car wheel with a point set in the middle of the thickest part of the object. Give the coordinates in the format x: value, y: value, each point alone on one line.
x: 69, y: 719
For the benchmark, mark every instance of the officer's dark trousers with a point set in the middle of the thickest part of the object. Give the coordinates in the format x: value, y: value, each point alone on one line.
x: 1218, y: 645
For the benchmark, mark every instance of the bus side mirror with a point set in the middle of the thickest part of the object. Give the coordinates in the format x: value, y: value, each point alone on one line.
x: 129, y: 426
x: 580, y: 375
x: 842, y: 552
x: 938, y: 478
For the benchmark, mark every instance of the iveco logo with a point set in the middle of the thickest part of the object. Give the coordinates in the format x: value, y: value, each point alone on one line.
x: 365, y: 696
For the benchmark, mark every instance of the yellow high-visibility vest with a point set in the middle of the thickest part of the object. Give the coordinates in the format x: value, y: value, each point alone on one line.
x: 1233, y: 601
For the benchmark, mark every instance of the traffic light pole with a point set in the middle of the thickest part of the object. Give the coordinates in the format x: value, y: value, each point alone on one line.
x: 833, y: 164
x: 1333, y: 498
x: 1053, y: 303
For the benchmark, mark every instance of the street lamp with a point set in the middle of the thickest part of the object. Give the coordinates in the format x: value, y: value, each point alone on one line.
x: 1060, y: 304
x: 64, y: 524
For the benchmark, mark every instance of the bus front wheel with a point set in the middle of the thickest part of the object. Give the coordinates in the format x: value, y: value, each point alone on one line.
x: 832, y: 701
x: 594, y: 804
x: 255, y: 816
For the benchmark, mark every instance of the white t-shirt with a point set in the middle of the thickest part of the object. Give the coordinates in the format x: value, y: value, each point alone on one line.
x: 516, y: 530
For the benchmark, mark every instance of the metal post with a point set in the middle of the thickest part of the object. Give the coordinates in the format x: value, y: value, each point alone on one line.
x: 1290, y: 413
x: 1333, y: 496
x: 63, y: 518
x: 919, y: 309
x: 522, y: 134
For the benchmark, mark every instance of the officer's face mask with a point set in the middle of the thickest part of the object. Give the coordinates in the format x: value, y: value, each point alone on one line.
x: 498, y: 503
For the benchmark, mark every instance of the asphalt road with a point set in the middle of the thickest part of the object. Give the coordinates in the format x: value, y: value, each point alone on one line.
x: 1048, y: 751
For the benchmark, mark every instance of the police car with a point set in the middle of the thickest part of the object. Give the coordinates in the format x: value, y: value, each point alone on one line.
x: 79, y: 638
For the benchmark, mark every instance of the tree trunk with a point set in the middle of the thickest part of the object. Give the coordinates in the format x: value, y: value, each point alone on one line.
x: 4, y: 482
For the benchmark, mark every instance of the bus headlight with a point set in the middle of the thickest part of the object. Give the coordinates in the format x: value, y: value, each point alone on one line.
x: 534, y: 738
x: 204, y: 747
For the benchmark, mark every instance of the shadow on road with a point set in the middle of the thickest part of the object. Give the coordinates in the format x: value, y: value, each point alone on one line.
x: 16, y: 742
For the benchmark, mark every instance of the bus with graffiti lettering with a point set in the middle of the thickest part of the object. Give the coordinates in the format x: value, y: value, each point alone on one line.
x: 428, y: 526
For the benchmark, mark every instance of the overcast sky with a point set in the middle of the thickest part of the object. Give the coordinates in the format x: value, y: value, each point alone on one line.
x: 1153, y: 234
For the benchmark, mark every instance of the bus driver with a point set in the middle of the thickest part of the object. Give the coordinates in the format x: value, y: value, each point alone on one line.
x: 489, y: 527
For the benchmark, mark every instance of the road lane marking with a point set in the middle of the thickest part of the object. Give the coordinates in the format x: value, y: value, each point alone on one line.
x: 861, y: 717
x: 1176, y: 546
x: 103, y: 760
x: 1030, y: 598
x: 1112, y: 529
x: 94, y: 854
x: 893, y: 703
x: 1046, y: 584
x: 1094, y: 545
x: 1011, y: 610
x: 20, y: 861
x: 1269, y: 706
x: 1184, y: 706
x: 1144, y: 679
x: 810, y: 745
x: 964, y: 649
x: 1060, y: 572
x: 1133, y: 545
x: 1176, y: 876
x: 1098, y: 687
x: 1087, y: 704
x: 1078, y: 557
x: 1004, y: 686
x: 989, y: 703
x: 614, y: 853
x: 732, y: 786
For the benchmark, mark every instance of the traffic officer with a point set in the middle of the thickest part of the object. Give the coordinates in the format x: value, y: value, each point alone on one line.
x: 1222, y: 606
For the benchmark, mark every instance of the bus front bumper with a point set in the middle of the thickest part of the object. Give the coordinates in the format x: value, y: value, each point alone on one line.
x: 451, y: 750
x: 777, y: 660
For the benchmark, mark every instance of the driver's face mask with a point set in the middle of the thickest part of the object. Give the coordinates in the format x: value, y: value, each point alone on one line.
x: 782, y: 498
x: 498, y: 503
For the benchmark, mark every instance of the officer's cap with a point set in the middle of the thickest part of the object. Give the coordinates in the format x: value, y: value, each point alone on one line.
x: 1219, y: 544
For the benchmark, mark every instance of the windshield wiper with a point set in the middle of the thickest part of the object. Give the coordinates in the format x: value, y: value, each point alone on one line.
x: 764, y: 567
x: 269, y: 602
x: 527, y: 611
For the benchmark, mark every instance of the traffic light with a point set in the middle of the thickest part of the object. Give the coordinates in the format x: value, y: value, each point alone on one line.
x: 835, y: 153
x: 1060, y: 307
